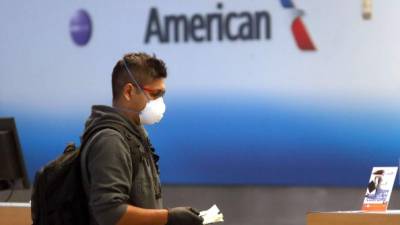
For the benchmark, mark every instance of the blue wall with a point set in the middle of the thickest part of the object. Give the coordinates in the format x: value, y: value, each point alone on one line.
x: 238, y: 112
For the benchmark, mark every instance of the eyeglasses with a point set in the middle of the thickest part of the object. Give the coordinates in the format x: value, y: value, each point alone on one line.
x: 155, y: 93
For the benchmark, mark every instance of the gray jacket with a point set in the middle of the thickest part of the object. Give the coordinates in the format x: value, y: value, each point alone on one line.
x: 107, y: 168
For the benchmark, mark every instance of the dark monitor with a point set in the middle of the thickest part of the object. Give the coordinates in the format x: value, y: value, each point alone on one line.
x: 12, y: 166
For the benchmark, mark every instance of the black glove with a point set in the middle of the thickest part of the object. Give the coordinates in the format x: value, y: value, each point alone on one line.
x: 184, y: 216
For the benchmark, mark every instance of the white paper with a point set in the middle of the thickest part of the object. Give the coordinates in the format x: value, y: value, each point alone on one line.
x: 212, y: 215
x: 15, y: 204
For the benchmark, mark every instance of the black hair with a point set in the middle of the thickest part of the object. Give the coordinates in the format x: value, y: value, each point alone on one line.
x: 145, y: 68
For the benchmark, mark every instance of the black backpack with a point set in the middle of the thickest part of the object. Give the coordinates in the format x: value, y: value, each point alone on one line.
x: 58, y: 196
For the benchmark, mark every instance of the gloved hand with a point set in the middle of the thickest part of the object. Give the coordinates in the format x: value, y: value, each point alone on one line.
x: 184, y: 216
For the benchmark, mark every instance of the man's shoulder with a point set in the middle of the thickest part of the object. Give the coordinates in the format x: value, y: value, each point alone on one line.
x: 105, y: 140
x: 112, y: 138
x: 105, y: 147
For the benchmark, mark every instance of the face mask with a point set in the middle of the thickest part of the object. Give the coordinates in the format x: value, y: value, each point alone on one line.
x: 154, y: 109
x: 153, y: 112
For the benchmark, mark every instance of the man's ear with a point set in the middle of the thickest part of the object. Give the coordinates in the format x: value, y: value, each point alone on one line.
x: 127, y: 91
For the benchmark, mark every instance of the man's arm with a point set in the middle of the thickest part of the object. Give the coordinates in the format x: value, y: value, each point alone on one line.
x: 109, y: 169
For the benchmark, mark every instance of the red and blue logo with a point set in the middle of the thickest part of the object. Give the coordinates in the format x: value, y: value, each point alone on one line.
x: 299, y: 30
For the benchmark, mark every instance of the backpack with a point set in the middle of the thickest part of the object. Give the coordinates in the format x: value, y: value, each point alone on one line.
x: 58, y: 196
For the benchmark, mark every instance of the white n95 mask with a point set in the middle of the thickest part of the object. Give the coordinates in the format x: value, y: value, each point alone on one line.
x: 153, y: 112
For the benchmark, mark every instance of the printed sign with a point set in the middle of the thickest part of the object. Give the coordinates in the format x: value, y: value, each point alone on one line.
x: 379, y: 188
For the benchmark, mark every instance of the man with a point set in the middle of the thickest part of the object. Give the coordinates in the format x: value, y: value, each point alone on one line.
x: 119, y: 166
